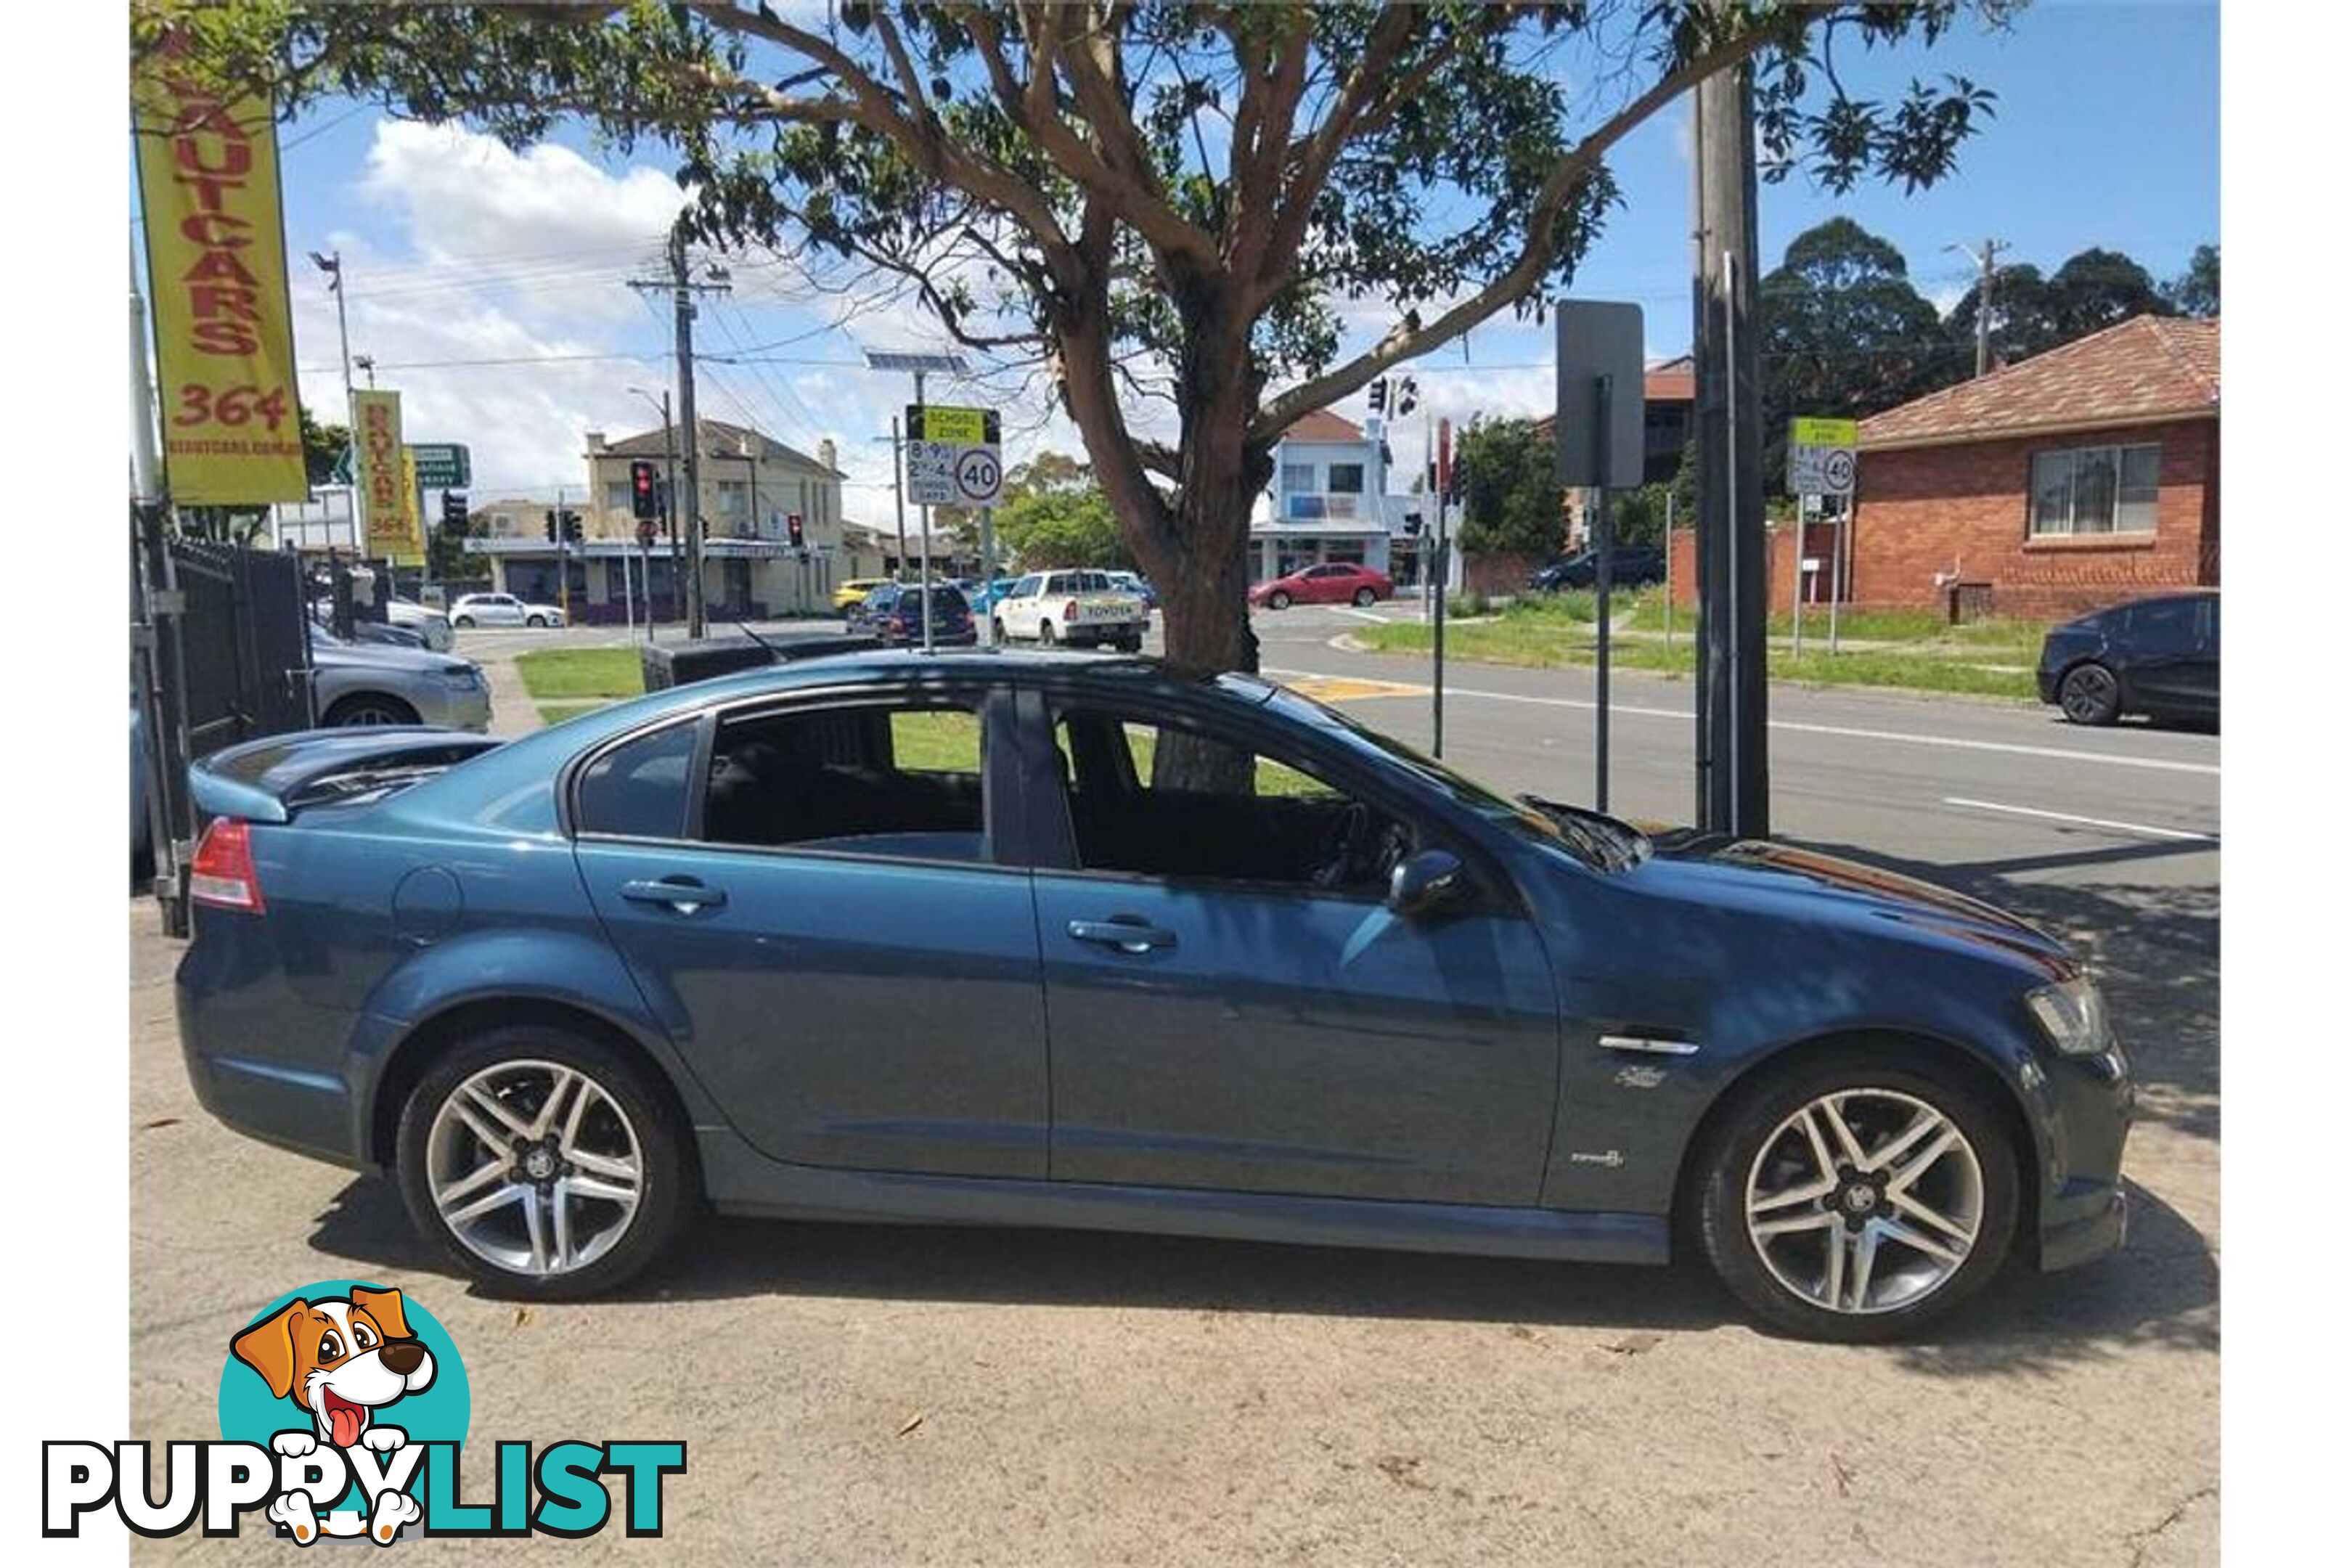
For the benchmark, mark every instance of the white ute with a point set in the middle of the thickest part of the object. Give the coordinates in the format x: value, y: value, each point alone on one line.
x: 1081, y: 608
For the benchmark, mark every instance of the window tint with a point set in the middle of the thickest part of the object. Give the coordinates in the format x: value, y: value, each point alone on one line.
x: 2167, y: 626
x: 1221, y: 813
x: 874, y: 778
x: 1025, y: 589
x: 637, y: 790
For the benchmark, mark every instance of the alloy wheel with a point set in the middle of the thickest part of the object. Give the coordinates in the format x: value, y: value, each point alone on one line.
x: 2088, y: 696
x: 1865, y: 1201
x: 533, y: 1166
x: 368, y: 711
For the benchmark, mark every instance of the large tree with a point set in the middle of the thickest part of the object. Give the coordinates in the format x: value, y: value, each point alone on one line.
x: 1148, y: 200
x: 2092, y: 289
x: 1510, y: 499
x: 1845, y: 334
x: 2197, y: 291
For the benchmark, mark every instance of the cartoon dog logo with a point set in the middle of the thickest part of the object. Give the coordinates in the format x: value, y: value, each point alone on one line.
x: 340, y: 1360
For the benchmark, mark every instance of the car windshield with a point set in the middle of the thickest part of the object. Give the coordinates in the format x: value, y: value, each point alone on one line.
x: 1590, y: 837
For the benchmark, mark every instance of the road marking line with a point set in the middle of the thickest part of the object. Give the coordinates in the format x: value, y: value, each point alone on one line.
x: 1351, y: 689
x: 2010, y: 748
x: 2139, y: 827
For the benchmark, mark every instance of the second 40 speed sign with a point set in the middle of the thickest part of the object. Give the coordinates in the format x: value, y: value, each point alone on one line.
x: 953, y: 456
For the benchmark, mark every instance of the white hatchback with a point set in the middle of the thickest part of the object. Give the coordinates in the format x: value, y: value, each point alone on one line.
x: 501, y: 610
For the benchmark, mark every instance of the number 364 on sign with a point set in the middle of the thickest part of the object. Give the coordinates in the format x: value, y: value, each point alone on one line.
x: 200, y: 404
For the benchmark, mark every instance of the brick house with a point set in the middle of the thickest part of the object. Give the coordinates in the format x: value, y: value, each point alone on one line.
x: 2085, y: 475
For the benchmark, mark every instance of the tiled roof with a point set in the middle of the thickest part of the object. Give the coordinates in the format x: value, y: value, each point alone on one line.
x: 1324, y: 426
x: 2148, y: 368
x: 1671, y: 381
x: 718, y: 439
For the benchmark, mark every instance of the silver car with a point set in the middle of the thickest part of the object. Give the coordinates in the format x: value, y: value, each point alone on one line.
x: 502, y: 610
x: 424, y: 621
x: 356, y: 683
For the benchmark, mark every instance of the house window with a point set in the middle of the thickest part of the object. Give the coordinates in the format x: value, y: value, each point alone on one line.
x: 2096, y: 489
x: 617, y: 495
x: 1297, y: 476
x: 1346, y: 479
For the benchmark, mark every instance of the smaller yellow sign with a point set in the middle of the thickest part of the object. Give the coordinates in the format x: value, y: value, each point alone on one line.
x: 411, y: 553
x: 967, y: 427
x: 1822, y: 432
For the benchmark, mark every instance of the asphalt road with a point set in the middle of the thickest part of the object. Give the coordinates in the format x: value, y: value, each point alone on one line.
x: 1094, y: 1399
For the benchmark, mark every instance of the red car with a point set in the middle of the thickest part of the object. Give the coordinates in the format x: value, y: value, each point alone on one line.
x: 1333, y: 584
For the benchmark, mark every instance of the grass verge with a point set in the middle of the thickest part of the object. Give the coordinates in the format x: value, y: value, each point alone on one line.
x: 558, y: 674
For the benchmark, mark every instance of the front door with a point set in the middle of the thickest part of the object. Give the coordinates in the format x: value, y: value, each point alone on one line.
x: 827, y: 934
x: 1232, y: 1004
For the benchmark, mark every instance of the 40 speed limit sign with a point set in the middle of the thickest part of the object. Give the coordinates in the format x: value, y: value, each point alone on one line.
x: 953, y: 456
x: 1820, y: 457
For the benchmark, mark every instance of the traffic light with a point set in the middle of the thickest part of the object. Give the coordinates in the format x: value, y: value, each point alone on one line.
x: 1380, y: 393
x: 453, y: 510
x: 572, y: 526
x: 1412, y: 524
x: 645, y: 496
x: 550, y: 527
x: 792, y: 528
x: 647, y: 531
x: 1408, y: 396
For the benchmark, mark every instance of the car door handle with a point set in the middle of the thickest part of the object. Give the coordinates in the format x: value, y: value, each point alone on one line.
x: 1124, y: 932
x: 683, y: 894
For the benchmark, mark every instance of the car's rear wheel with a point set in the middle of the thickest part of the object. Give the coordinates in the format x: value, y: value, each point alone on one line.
x: 1278, y: 600
x: 2091, y: 695
x: 544, y: 1161
x: 369, y: 707
x: 1364, y: 596
x: 1856, y: 1196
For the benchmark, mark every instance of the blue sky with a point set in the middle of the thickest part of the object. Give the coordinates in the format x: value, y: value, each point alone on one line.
x: 2108, y: 132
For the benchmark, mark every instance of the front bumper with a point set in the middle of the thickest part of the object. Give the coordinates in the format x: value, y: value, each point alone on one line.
x: 2086, y: 1106
x: 456, y: 708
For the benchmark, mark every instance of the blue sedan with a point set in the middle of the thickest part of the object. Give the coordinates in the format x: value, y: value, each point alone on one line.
x: 1074, y: 942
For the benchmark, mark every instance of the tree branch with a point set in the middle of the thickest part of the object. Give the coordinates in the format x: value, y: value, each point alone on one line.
x: 1403, y: 342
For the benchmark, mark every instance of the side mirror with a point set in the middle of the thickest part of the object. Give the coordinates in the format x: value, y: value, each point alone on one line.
x: 1423, y: 882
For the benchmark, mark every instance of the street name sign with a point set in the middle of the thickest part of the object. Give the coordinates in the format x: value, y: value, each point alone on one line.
x: 954, y: 457
x: 443, y: 465
x: 1820, y: 457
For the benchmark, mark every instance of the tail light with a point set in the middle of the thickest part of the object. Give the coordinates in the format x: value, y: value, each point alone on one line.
x: 222, y: 874
x: 1070, y: 609
x: 898, y: 623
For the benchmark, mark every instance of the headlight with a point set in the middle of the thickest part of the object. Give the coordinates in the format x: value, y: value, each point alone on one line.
x: 2072, y: 1015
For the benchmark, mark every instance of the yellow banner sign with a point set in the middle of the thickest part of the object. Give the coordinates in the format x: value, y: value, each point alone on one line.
x: 1821, y: 432
x: 411, y: 550
x: 966, y: 426
x: 385, y: 493
x: 217, y: 272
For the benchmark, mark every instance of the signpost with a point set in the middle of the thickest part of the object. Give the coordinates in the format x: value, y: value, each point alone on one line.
x: 955, y: 457
x: 1820, y: 464
x: 443, y: 465
x: 1599, y: 432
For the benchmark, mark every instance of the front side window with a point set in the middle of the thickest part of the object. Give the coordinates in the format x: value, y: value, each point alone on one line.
x: 639, y: 788
x: 1025, y: 589
x: 2096, y: 489
x: 901, y: 779
x: 1148, y: 796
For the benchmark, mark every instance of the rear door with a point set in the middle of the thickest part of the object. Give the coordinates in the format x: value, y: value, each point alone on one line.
x: 808, y: 894
x: 2163, y: 659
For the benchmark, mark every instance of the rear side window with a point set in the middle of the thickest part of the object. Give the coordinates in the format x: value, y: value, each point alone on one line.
x: 2169, y: 624
x: 638, y: 789
x: 888, y: 779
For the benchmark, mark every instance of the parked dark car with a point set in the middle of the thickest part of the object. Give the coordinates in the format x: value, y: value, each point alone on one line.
x: 2160, y: 657
x: 894, y: 612
x: 1629, y: 566
x: 896, y: 937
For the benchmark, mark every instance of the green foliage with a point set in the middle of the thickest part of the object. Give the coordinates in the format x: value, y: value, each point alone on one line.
x: 1844, y: 334
x: 323, y: 447
x: 1510, y: 502
x: 1639, y: 517
x: 1055, y: 515
x: 2092, y: 290
x: 2197, y: 291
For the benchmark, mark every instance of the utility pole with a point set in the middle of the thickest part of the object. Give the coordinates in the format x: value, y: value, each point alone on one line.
x: 331, y: 264
x: 1983, y: 258
x: 156, y: 665
x: 899, y: 491
x: 682, y: 289
x: 1734, y: 783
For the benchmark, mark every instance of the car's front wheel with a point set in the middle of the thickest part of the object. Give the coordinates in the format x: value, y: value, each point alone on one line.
x: 545, y: 1161
x: 463, y: 623
x: 369, y: 707
x: 534, y: 620
x: 1856, y: 1196
x: 2091, y: 695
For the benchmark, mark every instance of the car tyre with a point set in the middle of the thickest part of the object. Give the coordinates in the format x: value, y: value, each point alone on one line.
x: 463, y: 623
x: 1278, y: 600
x: 1756, y: 1161
x: 998, y: 625
x: 626, y: 1112
x: 1364, y: 596
x: 369, y: 707
x: 534, y: 620
x: 1044, y: 633
x: 2090, y: 694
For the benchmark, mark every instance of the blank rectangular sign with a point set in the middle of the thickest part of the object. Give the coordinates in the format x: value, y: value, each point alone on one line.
x: 1599, y: 339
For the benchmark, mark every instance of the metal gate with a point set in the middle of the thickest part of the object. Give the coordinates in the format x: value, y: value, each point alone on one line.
x: 248, y: 661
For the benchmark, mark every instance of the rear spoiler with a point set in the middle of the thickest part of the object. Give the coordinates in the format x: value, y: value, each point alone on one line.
x: 270, y: 779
